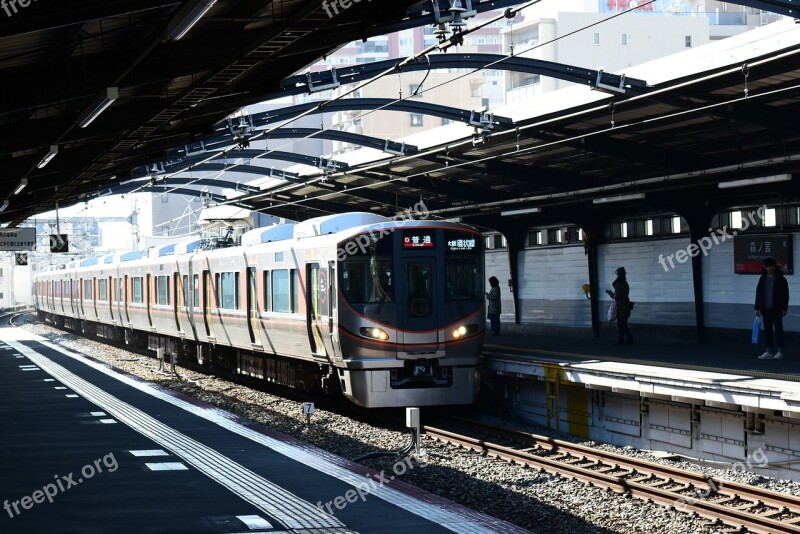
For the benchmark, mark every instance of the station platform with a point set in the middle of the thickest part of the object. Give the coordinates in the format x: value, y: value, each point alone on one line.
x: 725, y: 373
x: 86, y: 449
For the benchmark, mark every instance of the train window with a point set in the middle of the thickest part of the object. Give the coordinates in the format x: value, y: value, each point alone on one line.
x: 463, y: 267
x: 281, y: 291
x: 196, y: 290
x: 136, y: 297
x: 367, y: 276
x: 87, y: 290
x: 295, y: 291
x: 185, y: 282
x: 118, y: 289
x: 102, y: 290
x: 267, y: 300
x: 419, y: 277
x: 162, y: 290
x: 228, y: 290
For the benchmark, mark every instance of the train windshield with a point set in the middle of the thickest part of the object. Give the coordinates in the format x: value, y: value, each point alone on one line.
x: 367, y: 273
x: 464, y: 266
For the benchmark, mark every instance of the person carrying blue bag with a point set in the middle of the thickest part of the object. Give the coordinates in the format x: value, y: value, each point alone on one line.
x: 772, y: 304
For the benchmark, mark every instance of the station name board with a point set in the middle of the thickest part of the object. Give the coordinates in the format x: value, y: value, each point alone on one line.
x: 750, y: 251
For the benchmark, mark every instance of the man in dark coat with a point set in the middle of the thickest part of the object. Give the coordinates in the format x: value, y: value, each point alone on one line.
x: 772, y: 304
x: 623, y: 303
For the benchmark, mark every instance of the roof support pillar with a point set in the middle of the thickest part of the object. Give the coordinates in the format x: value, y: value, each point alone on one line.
x: 698, y: 218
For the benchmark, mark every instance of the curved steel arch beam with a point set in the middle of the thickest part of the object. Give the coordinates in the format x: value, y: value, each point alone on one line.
x: 388, y: 104
x: 128, y: 187
x: 296, y: 85
x: 224, y: 140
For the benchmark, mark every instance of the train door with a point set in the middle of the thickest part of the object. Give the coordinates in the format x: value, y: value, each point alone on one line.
x: 318, y: 311
x: 252, y: 307
x: 81, y: 297
x: 148, y: 298
x: 111, y: 296
x: 207, y: 303
x: 63, y: 290
x: 118, y: 297
x: 127, y: 300
x: 332, y: 307
x: 189, y: 299
x: 416, y: 304
x: 177, y: 292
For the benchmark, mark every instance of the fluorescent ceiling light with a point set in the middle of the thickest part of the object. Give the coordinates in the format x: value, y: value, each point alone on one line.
x: 620, y: 198
x: 186, y: 19
x: 4, y: 205
x: 48, y: 157
x: 21, y: 186
x: 99, y: 105
x: 755, y: 181
x: 519, y: 212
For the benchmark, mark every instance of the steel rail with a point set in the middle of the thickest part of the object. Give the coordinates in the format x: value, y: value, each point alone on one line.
x: 736, y: 505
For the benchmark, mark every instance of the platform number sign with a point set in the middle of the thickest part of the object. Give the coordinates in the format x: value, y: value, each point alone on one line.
x: 22, y: 258
x: 59, y: 243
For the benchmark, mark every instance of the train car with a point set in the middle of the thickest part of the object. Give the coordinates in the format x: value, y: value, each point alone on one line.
x: 389, y: 313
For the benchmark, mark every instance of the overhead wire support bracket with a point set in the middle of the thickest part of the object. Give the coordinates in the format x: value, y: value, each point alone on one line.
x: 319, y: 85
x: 394, y: 147
x: 603, y: 82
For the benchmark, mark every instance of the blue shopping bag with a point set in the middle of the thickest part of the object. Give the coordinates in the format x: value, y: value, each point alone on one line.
x: 756, y: 330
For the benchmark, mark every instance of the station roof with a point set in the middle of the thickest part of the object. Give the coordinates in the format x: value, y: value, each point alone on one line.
x: 61, y: 60
x: 663, y: 137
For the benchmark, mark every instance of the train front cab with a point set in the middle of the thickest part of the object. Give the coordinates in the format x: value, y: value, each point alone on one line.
x: 411, y: 322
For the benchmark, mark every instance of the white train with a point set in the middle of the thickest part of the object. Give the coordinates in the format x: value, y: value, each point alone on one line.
x: 390, y: 313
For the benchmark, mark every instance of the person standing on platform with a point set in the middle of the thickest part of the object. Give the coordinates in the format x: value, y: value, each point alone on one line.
x: 772, y: 303
x: 623, y: 304
x: 493, y: 308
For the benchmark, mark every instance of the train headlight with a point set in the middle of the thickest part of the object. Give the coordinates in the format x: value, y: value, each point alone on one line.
x: 464, y: 330
x: 375, y: 333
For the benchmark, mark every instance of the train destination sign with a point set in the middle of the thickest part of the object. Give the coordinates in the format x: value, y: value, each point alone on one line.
x: 18, y: 239
x: 462, y: 244
x: 418, y: 240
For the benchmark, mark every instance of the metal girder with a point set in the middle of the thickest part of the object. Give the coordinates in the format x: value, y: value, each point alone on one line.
x: 370, y: 104
x: 160, y: 187
x: 343, y: 137
x: 296, y: 85
x: 175, y: 164
x: 223, y: 139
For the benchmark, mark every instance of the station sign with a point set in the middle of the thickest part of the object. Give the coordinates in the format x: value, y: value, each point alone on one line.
x: 750, y: 251
x: 18, y: 239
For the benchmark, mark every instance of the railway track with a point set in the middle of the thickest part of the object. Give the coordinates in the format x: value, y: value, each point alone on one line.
x: 731, y: 506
